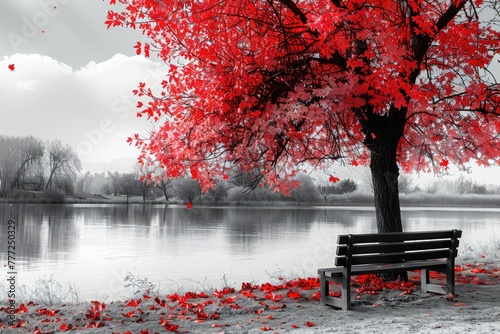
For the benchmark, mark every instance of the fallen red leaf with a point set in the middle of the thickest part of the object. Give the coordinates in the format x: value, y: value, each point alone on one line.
x: 19, y: 324
x: 480, y: 270
x: 134, y: 303
x: 21, y: 309
x: 129, y: 314
x: 293, y: 295
x: 219, y: 325
x: 65, y: 327
x: 46, y: 312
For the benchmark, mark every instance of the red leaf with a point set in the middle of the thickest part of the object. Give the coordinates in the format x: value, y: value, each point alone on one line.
x: 309, y: 324
x: 333, y: 179
x: 47, y: 312
x: 293, y: 295
x: 19, y: 324
x: 65, y: 327
x: 480, y: 270
x: 12, y: 67
x: 171, y: 327
x: 21, y: 309
x: 137, y: 48
x: 134, y: 303
x: 129, y: 315
x: 189, y: 205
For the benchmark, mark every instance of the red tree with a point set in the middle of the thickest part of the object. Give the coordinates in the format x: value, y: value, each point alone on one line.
x: 276, y: 84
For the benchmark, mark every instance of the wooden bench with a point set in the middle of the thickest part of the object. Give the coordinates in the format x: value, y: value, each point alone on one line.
x: 391, y: 252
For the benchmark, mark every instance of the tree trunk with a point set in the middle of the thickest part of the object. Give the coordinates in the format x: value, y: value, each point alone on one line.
x: 385, y: 171
x: 165, y: 194
x: 52, y: 172
x: 385, y: 174
x: 382, y: 138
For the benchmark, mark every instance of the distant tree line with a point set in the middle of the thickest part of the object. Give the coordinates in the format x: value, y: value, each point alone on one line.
x: 238, y: 188
x: 31, y: 164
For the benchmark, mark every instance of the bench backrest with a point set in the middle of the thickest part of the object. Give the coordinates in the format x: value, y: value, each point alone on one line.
x: 376, y: 248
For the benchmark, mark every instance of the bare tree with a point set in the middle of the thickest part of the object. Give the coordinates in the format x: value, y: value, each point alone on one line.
x: 166, y: 186
x: 17, y: 154
x: 115, y: 181
x: 62, y: 160
x: 143, y: 174
x: 306, y: 191
x: 128, y: 184
x: 162, y: 182
x: 218, y: 193
x: 188, y: 189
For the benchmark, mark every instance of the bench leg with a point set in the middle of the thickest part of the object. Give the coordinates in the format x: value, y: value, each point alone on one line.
x: 424, y: 280
x: 324, y: 289
x: 450, y: 277
x: 346, y: 293
x: 343, y: 302
x: 426, y: 286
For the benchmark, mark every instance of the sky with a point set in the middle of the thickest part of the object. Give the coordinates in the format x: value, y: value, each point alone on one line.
x: 73, y: 77
x: 73, y: 80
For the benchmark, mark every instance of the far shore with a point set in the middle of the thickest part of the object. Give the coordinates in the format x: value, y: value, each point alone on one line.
x: 354, y: 199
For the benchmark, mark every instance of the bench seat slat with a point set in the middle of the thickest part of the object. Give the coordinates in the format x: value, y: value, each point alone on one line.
x: 395, y: 267
x: 393, y: 257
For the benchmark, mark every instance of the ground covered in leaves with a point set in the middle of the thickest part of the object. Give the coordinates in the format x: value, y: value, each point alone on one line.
x: 286, y: 306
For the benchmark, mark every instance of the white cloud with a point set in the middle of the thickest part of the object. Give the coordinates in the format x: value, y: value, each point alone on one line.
x: 91, y: 108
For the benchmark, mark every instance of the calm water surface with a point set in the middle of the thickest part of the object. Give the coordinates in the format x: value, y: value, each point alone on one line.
x: 95, y: 246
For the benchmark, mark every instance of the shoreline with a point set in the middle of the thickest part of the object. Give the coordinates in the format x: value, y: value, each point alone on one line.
x: 357, y: 200
x: 282, y: 307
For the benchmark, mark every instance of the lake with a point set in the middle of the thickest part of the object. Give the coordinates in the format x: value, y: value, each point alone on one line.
x: 94, y: 247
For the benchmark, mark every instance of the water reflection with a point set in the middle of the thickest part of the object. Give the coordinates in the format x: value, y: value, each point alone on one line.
x: 97, y: 245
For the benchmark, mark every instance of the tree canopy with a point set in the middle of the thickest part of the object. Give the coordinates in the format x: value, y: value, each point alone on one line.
x: 275, y: 84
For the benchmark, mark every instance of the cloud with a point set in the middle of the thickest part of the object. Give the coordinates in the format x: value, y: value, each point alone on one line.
x: 91, y: 108
x: 72, y: 31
